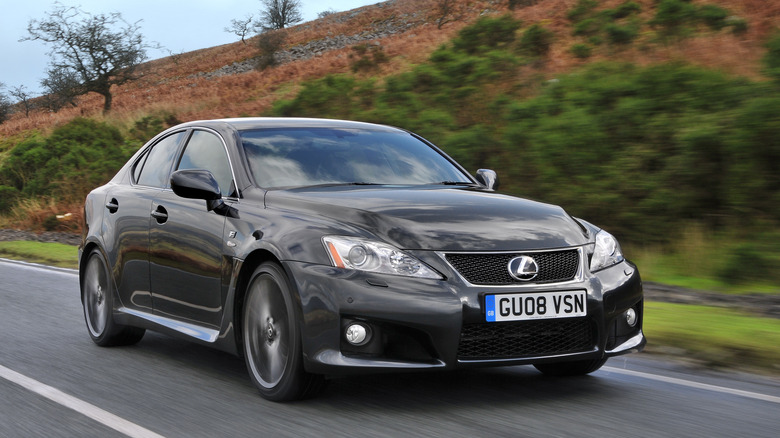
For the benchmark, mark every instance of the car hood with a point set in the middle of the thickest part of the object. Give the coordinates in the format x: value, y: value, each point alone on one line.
x: 435, y: 218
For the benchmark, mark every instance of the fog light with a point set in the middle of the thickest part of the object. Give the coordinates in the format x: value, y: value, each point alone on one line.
x: 356, y: 334
x: 631, y: 317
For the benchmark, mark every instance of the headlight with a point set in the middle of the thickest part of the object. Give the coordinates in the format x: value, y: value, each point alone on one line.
x: 607, y: 252
x: 371, y: 256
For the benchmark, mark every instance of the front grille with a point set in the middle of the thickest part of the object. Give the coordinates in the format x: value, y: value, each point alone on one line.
x: 493, y: 269
x: 525, y: 339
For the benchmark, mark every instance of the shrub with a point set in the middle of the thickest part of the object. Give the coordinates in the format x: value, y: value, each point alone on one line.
x: 521, y: 3
x: 771, y: 60
x: 367, y: 57
x: 8, y: 198
x: 581, y: 9
x: 625, y: 9
x: 744, y: 263
x: 672, y: 16
x: 268, y: 44
x: 588, y: 26
x: 486, y: 33
x: 75, y: 158
x: 713, y: 16
x: 581, y: 51
x: 738, y: 25
x: 617, y: 34
x: 536, y: 40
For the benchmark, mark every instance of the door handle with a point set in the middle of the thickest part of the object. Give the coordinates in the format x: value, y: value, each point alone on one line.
x: 112, y: 205
x: 160, y: 214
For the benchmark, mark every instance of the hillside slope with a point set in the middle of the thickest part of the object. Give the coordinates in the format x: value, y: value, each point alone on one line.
x: 407, y: 32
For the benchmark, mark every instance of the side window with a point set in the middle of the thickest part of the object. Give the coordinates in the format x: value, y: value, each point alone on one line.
x: 157, y: 168
x: 206, y: 151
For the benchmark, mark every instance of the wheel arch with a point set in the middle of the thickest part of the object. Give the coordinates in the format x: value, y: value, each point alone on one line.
x: 251, y: 262
x: 85, y: 253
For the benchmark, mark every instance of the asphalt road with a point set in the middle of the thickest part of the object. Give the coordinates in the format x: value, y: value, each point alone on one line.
x: 54, y: 382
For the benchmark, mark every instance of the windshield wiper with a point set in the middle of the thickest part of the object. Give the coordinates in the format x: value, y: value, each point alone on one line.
x: 456, y: 183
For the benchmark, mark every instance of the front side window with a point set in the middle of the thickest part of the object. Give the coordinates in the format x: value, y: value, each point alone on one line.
x: 158, y: 162
x: 205, y: 151
x: 298, y: 157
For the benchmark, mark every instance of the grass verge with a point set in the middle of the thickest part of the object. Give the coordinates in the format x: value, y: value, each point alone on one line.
x: 713, y: 336
x: 47, y: 253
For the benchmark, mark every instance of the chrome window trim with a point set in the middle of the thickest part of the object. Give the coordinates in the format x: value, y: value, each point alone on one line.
x: 189, y: 131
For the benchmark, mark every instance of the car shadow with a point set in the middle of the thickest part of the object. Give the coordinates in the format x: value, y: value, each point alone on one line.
x: 404, y: 391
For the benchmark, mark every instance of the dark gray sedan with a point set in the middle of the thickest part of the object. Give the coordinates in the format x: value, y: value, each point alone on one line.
x: 320, y: 247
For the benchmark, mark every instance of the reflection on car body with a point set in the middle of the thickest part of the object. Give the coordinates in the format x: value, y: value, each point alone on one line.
x: 321, y: 247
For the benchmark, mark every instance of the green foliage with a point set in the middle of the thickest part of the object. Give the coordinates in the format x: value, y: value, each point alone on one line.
x: 713, y: 16
x: 536, y: 40
x: 581, y: 9
x: 673, y: 17
x: 588, y: 27
x: 367, y: 57
x: 521, y: 3
x: 665, y: 142
x: 148, y: 126
x: 331, y: 96
x: 8, y: 197
x: 75, y: 158
x: 771, y: 60
x: 486, y: 33
x: 617, y: 34
x: 624, y: 10
x: 634, y: 149
x: 738, y: 25
x: 581, y: 51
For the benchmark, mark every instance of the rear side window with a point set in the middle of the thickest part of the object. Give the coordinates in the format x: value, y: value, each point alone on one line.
x: 158, y: 162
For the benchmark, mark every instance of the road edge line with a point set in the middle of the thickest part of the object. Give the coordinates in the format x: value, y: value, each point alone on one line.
x: 691, y: 384
x: 89, y: 410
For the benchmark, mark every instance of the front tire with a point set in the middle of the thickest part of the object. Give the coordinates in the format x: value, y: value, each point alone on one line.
x: 272, y: 339
x: 575, y: 368
x: 97, y: 297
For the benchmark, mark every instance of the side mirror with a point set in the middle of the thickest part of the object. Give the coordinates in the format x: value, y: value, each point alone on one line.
x: 200, y: 184
x: 488, y: 178
x: 195, y: 184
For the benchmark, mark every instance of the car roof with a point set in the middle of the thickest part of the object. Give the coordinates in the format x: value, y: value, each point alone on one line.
x: 250, y: 123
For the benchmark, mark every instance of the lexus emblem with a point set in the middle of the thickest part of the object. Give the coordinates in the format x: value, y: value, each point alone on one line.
x: 523, y: 268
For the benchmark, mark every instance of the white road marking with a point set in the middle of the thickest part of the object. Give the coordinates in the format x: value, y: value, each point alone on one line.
x: 39, y: 267
x: 114, y: 422
x: 691, y: 384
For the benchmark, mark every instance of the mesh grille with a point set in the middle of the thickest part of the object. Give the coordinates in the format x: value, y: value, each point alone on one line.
x: 554, y: 266
x: 525, y: 339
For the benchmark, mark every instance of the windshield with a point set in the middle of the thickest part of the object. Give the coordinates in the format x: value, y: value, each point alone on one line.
x: 297, y: 157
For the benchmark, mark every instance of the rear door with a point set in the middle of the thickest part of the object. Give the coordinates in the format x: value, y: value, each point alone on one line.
x: 128, y: 221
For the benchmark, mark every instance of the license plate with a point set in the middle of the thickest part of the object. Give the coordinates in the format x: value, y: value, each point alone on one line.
x: 545, y: 305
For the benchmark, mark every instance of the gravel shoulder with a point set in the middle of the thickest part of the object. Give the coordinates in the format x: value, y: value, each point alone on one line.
x: 760, y: 304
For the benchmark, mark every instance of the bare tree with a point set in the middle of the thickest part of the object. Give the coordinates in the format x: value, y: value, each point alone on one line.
x: 242, y: 28
x: 446, y: 12
x: 88, y: 48
x: 24, y: 98
x: 326, y: 13
x: 5, y: 105
x: 279, y: 14
x: 61, y: 87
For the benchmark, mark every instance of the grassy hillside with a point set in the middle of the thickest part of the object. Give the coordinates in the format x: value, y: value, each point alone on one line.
x: 657, y: 119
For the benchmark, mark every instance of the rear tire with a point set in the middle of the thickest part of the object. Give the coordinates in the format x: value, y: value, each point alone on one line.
x: 272, y: 339
x: 576, y: 368
x: 97, y: 297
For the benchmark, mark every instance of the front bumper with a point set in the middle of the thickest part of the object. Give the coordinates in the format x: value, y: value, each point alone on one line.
x: 423, y: 324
